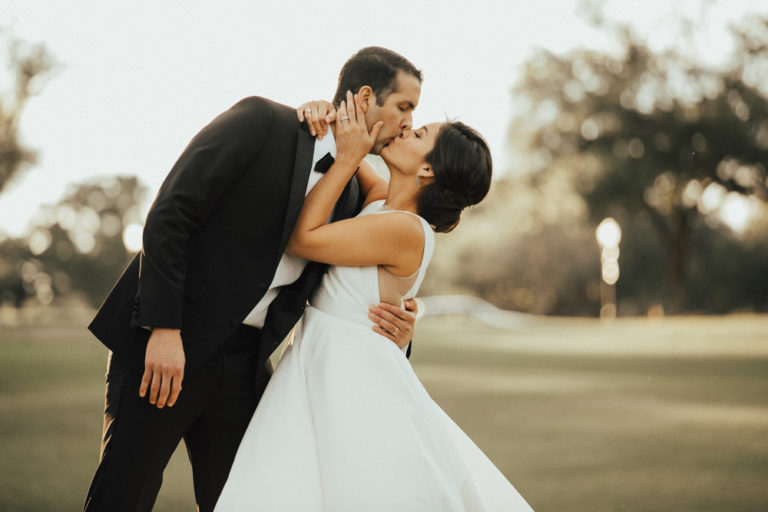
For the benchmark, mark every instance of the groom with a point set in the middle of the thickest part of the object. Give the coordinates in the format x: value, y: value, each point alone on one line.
x: 212, y: 293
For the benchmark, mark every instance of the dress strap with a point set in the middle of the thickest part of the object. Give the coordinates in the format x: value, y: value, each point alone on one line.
x: 429, y: 249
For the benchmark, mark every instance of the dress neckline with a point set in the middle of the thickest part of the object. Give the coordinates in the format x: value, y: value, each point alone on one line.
x: 382, y: 207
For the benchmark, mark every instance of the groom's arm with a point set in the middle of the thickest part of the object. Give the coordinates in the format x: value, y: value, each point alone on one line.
x: 210, y: 164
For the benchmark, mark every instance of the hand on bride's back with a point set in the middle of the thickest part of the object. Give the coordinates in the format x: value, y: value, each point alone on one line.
x: 353, y: 141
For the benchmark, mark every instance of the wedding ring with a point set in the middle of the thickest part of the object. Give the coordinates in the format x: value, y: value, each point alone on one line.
x: 307, y: 109
x: 396, y: 330
x: 344, y: 118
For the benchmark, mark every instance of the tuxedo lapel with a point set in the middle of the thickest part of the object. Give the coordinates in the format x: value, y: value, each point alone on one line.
x: 346, y: 206
x: 305, y: 146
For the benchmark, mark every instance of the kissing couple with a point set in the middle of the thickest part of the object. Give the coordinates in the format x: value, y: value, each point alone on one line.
x: 264, y: 226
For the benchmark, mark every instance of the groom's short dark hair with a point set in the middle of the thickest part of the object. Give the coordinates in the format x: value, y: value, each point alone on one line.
x: 376, y: 67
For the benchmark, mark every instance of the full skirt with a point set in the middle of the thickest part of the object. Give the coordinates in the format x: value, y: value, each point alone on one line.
x: 345, y: 425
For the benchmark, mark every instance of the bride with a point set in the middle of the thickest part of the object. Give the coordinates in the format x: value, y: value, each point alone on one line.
x: 345, y: 424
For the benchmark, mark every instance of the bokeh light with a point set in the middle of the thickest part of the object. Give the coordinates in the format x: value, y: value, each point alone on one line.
x: 132, y: 237
x: 608, y: 233
x: 39, y: 241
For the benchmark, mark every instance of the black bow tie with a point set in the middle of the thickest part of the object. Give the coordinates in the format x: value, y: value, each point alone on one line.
x: 324, y: 163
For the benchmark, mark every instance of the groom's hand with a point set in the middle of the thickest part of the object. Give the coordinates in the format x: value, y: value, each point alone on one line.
x: 395, y: 323
x: 318, y: 115
x: 163, y: 367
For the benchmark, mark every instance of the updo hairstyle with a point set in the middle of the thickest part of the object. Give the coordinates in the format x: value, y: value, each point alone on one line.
x: 461, y: 162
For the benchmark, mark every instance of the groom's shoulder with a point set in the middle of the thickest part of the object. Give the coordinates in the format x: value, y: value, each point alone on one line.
x: 252, y: 113
x: 261, y: 104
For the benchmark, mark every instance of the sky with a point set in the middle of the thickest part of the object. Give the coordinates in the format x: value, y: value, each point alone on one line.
x: 135, y: 81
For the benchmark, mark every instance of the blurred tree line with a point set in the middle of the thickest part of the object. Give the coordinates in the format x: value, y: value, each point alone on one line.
x: 674, y: 150
x: 76, y: 249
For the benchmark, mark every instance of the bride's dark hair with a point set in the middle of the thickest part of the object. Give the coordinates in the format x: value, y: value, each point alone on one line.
x: 462, y: 165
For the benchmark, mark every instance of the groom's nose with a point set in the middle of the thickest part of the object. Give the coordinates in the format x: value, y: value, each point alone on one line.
x: 406, y: 123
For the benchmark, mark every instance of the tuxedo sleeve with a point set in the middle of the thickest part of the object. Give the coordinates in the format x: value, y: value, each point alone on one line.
x: 214, y: 160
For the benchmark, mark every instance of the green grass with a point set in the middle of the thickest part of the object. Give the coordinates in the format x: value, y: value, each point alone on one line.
x: 636, y: 415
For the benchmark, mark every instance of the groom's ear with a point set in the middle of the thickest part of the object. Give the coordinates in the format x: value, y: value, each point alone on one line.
x: 365, y: 96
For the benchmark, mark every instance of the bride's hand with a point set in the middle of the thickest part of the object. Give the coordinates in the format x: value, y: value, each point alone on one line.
x: 353, y: 141
x: 317, y: 114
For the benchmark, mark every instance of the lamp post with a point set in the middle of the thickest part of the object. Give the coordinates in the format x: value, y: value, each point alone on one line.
x: 608, y: 235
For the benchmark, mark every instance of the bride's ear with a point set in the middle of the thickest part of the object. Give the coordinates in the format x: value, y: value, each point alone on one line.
x: 425, y: 174
x: 365, y: 96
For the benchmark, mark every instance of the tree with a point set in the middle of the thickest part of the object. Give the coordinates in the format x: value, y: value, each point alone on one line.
x: 29, y: 66
x: 651, y: 136
x: 510, y: 251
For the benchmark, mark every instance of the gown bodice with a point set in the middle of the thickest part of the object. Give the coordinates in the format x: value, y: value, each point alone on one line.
x: 348, y: 292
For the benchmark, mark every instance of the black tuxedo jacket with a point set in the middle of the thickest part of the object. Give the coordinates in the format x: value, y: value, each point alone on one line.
x: 215, y: 235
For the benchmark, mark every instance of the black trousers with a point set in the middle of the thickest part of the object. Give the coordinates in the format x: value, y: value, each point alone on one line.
x: 211, y: 415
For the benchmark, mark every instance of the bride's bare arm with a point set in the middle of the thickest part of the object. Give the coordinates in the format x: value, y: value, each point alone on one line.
x: 368, y: 240
x: 318, y: 115
x: 391, y: 240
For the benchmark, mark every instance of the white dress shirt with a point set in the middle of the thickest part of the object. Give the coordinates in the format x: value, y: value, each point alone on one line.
x: 291, y: 267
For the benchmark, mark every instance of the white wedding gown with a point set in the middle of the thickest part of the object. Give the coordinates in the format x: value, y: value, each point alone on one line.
x: 345, y: 424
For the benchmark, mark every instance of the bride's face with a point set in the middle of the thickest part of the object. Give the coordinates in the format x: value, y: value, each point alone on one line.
x: 409, y: 151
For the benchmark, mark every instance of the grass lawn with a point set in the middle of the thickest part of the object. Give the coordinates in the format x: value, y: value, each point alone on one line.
x: 636, y: 414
